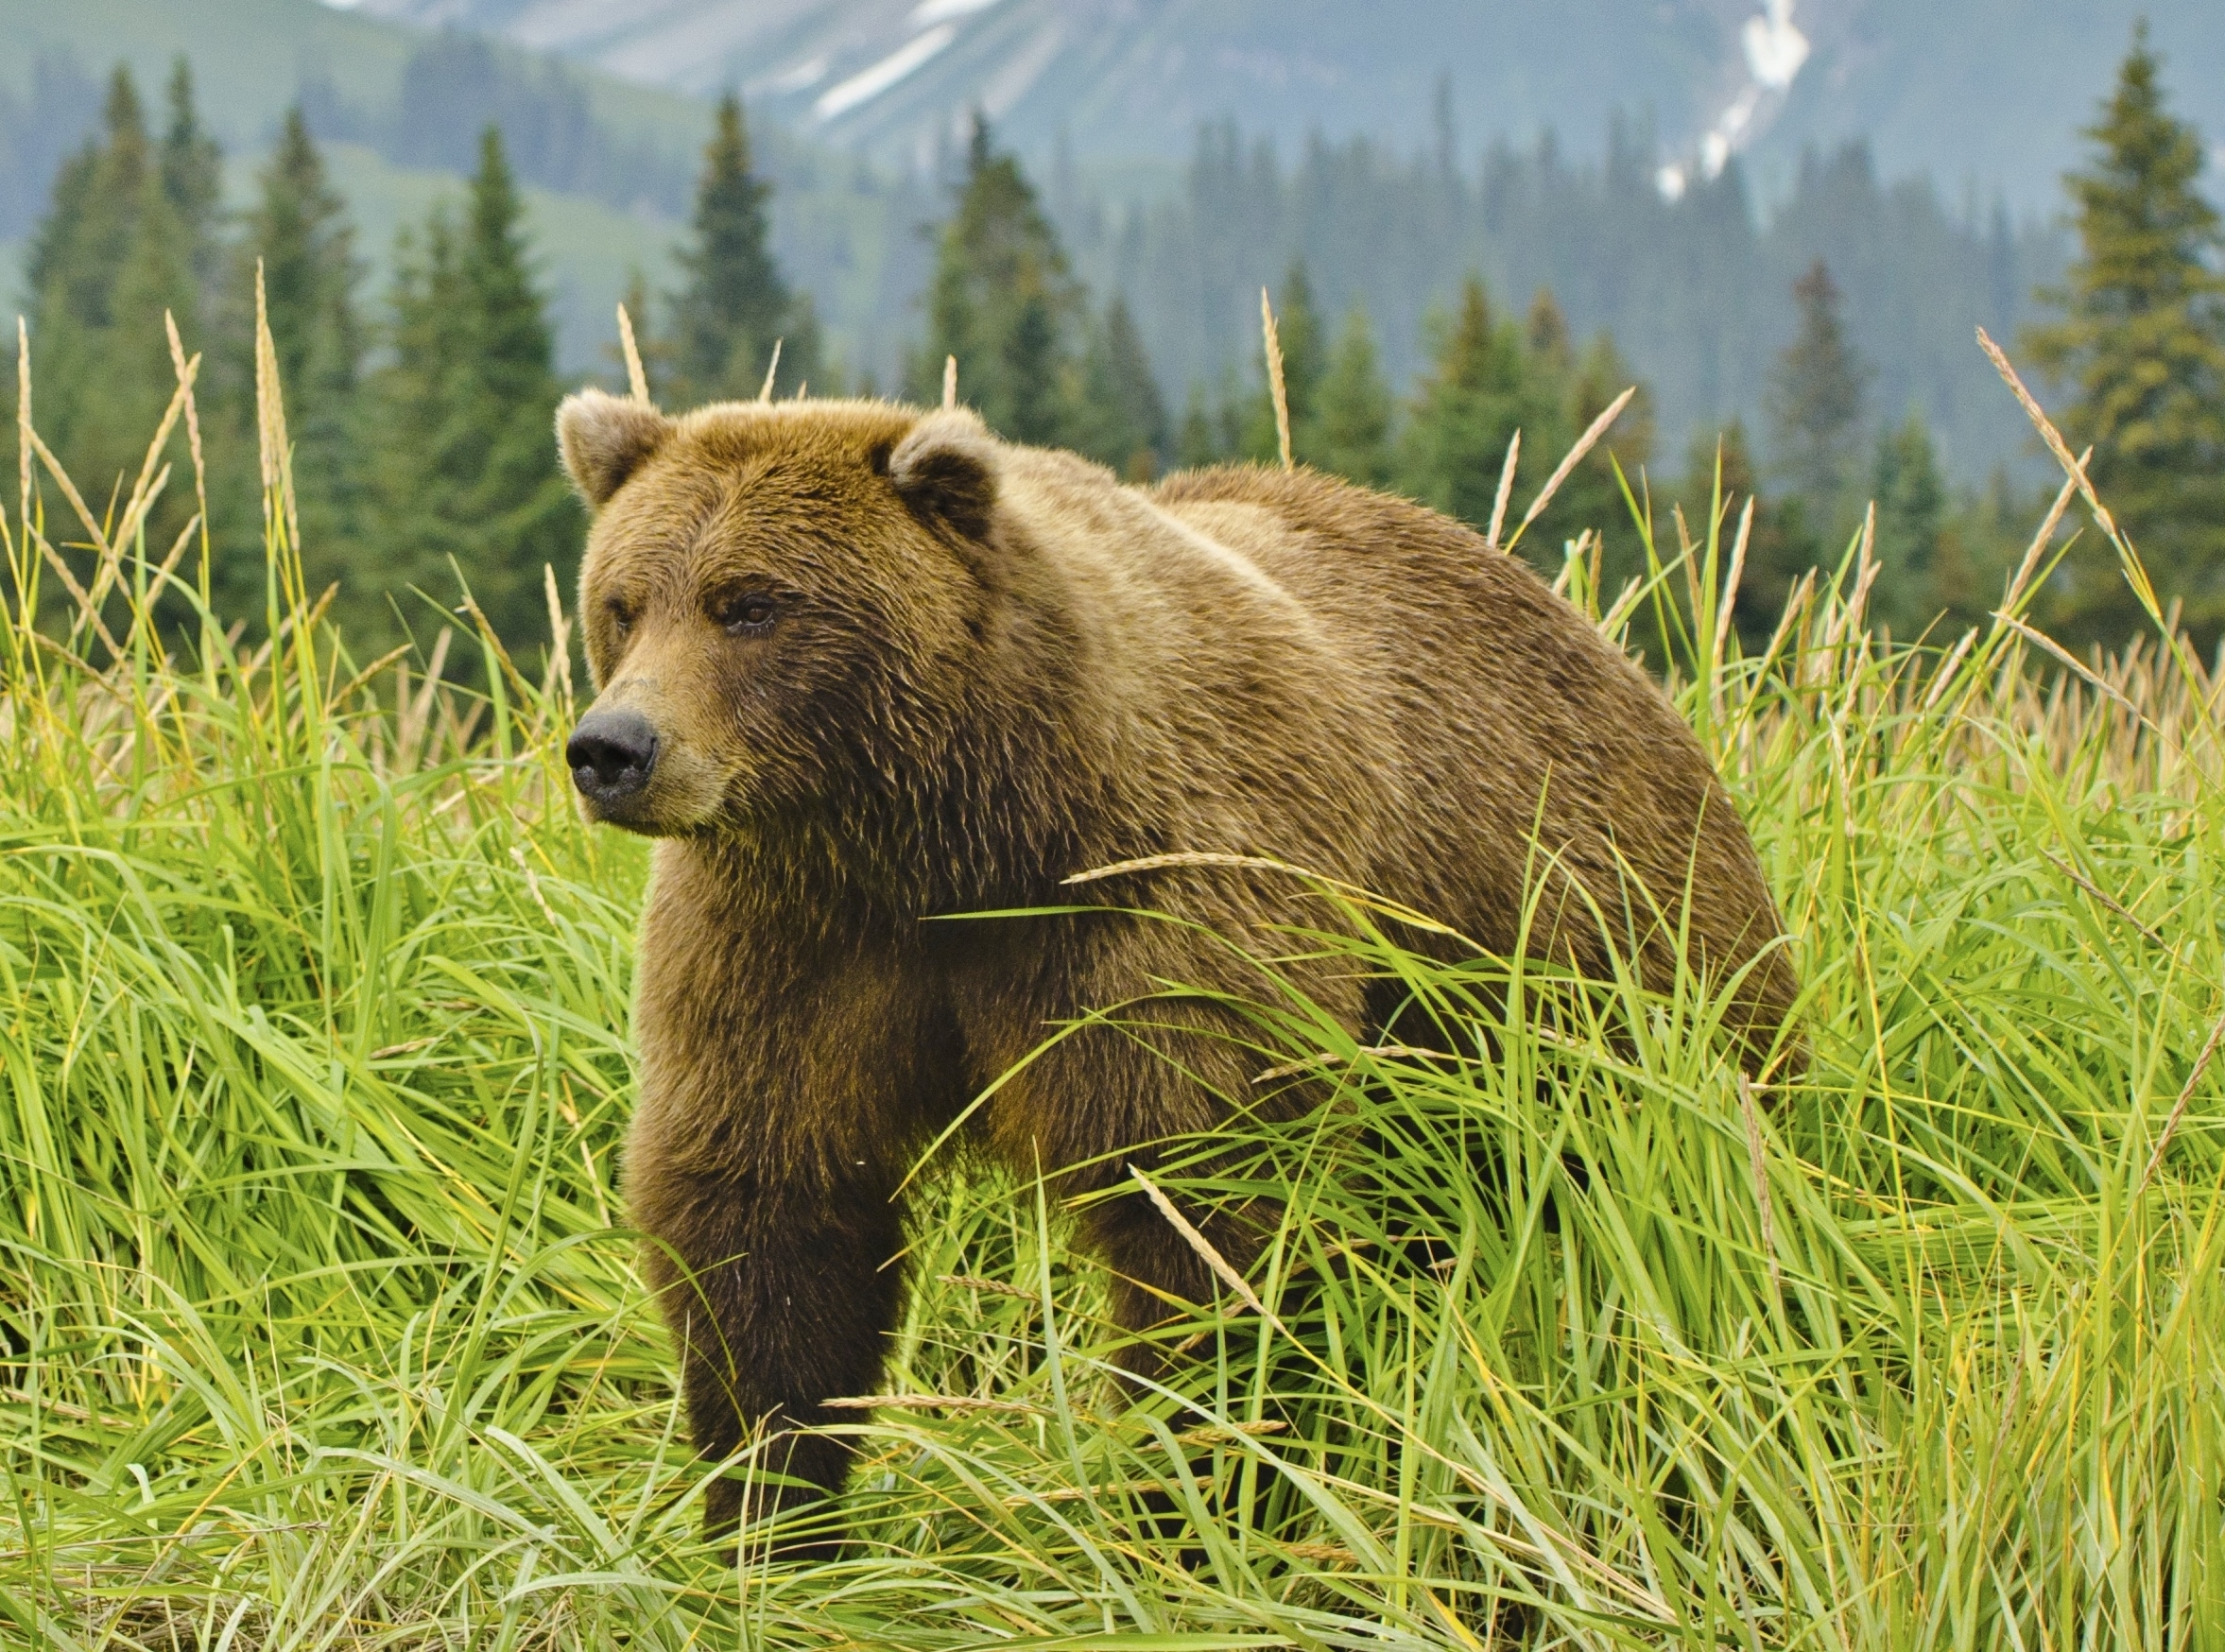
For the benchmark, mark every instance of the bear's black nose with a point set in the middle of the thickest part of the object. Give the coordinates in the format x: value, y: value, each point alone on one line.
x: 611, y: 754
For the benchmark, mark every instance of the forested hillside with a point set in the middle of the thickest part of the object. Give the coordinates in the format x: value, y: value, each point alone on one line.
x: 1435, y: 303
x: 1697, y: 291
x: 1966, y: 93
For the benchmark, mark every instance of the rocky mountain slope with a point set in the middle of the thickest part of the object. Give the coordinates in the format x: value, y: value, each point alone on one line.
x: 1984, y: 92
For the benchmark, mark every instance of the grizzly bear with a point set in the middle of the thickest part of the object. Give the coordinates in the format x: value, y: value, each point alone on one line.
x: 861, y: 667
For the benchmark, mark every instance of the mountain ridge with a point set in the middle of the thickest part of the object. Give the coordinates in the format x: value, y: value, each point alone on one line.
x: 1974, y: 94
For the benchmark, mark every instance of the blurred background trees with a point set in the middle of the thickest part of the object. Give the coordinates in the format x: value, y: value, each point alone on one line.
x: 735, y: 307
x: 2139, y: 336
x: 420, y: 414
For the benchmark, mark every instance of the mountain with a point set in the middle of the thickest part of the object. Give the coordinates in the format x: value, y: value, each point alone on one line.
x: 1985, y: 93
x: 1190, y: 152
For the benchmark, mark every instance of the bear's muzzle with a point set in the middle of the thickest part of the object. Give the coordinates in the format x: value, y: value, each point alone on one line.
x: 613, y: 753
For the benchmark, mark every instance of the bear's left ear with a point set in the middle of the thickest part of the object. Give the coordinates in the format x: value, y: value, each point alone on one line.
x: 605, y: 439
x: 945, y: 471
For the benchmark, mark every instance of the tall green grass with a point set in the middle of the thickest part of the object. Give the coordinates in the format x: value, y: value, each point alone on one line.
x: 320, y: 1325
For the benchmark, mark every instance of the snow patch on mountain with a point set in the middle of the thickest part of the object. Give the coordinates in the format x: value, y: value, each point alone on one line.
x: 928, y: 12
x: 1775, y: 50
x: 868, y: 85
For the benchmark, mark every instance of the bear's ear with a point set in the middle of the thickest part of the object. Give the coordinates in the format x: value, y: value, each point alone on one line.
x: 945, y: 471
x: 605, y: 439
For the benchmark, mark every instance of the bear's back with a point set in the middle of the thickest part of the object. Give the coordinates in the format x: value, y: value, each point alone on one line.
x: 1517, y: 727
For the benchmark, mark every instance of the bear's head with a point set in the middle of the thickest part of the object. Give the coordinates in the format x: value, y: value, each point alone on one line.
x: 778, y: 599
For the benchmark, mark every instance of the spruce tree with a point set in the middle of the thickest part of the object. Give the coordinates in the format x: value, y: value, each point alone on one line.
x: 51, y: 262
x: 1985, y: 535
x: 516, y: 495
x: 111, y: 257
x: 1232, y: 413
x: 472, y: 370
x: 299, y: 231
x: 1119, y: 419
x: 192, y: 167
x: 1197, y: 443
x: 1478, y: 393
x: 1030, y: 368
x: 1780, y: 548
x: 1548, y: 365
x: 81, y: 246
x: 734, y: 307
x: 2141, y: 341
x: 415, y: 486
x: 1003, y: 302
x: 1552, y: 357
x: 1815, y: 402
x: 1350, y: 434
x: 1911, y: 499
x: 1592, y: 497
x: 155, y: 278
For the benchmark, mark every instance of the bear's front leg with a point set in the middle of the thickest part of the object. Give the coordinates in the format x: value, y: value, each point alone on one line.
x: 780, y: 1296
x: 790, y: 1069
x: 1099, y: 1110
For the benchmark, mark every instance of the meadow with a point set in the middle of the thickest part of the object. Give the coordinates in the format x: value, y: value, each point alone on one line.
x: 320, y: 1325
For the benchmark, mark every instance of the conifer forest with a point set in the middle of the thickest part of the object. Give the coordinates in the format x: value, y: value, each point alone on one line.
x: 1428, y: 309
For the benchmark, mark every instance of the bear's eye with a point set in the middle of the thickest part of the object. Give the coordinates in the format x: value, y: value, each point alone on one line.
x: 621, y: 615
x: 746, y: 612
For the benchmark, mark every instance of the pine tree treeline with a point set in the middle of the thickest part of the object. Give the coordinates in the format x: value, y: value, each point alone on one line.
x: 735, y: 309
x: 129, y: 238
x: 1490, y: 373
x: 462, y: 412
x: 438, y: 457
x: 2139, y: 340
x: 1699, y: 290
x: 421, y: 422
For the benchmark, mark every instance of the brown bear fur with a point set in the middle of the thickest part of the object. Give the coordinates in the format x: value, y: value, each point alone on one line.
x: 898, y: 668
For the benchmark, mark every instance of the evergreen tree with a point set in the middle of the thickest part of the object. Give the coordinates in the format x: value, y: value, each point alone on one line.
x: 736, y: 306
x: 1119, y: 419
x: 1911, y: 498
x: 1592, y: 497
x: 2142, y: 340
x: 1232, y: 413
x: 411, y: 406
x: 1778, y: 548
x: 299, y: 231
x: 133, y: 380
x: 1299, y: 332
x: 1815, y: 400
x: 1985, y: 536
x: 1003, y: 302
x: 468, y: 469
x: 54, y: 266
x: 1030, y: 368
x: 1552, y: 357
x: 1197, y: 444
x: 192, y: 168
x: 111, y: 257
x: 1479, y: 392
x: 517, y: 497
x: 81, y: 246
x: 1350, y: 432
